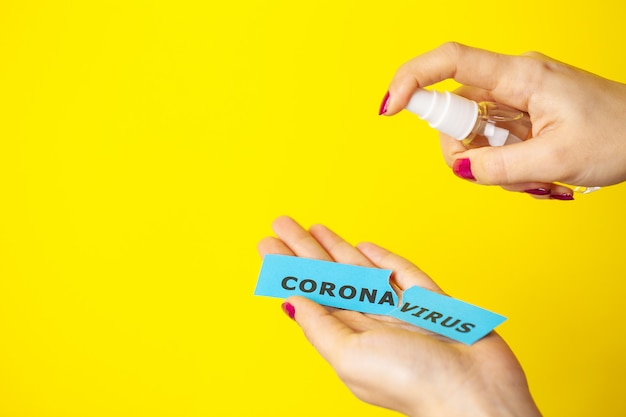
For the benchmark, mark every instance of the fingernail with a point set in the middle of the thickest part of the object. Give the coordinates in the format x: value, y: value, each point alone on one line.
x: 289, y: 310
x: 538, y: 191
x: 563, y: 197
x: 383, y: 105
x: 462, y: 168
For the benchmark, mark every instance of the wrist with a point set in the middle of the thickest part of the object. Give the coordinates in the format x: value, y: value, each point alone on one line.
x: 515, y: 402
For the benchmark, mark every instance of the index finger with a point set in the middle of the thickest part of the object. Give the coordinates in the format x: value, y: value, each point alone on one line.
x: 298, y: 240
x: 326, y: 332
x: 501, y: 75
x: 405, y: 273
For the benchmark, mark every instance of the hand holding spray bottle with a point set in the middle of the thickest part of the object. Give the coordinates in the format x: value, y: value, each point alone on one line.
x: 474, y: 124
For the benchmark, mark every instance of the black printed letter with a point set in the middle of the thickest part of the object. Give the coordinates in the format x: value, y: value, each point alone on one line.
x: 284, y: 283
x: 433, y: 316
x: 350, y: 295
x: 327, y: 287
x: 312, y: 284
x: 445, y: 322
x: 465, y: 327
x: 371, y: 296
x: 387, y: 298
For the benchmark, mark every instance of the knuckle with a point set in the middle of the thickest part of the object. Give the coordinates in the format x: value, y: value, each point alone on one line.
x: 534, y: 54
x: 454, y: 50
x: 452, y: 47
x: 546, y: 67
x: 541, y: 66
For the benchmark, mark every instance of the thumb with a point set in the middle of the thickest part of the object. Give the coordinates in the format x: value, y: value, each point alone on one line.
x: 322, y: 329
x: 530, y: 161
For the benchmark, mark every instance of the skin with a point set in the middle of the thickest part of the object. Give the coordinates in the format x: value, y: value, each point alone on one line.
x: 390, y: 363
x: 579, y: 132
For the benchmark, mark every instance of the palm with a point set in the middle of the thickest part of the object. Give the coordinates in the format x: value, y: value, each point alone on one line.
x: 389, y: 362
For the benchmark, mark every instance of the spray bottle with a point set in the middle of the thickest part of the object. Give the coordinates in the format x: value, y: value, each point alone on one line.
x: 474, y: 124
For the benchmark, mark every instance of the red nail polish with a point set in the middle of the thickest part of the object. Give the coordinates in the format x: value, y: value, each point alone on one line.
x: 562, y: 197
x: 383, y: 105
x: 538, y: 191
x: 462, y: 168
x: 289, y: 310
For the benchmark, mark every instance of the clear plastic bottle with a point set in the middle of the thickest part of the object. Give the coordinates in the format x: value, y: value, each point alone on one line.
x: 474, y: 124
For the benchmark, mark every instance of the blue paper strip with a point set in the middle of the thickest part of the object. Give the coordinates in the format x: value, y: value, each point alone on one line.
x: 447, y: 316
x: 329, y: 283
x: 367, y: 290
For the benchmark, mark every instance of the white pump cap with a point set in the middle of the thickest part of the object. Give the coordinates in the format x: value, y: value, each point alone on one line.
x: 496, y: 136
x: 448, y: 113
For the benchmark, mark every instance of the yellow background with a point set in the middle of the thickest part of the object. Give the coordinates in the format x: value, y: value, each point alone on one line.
x: 146, y: 146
